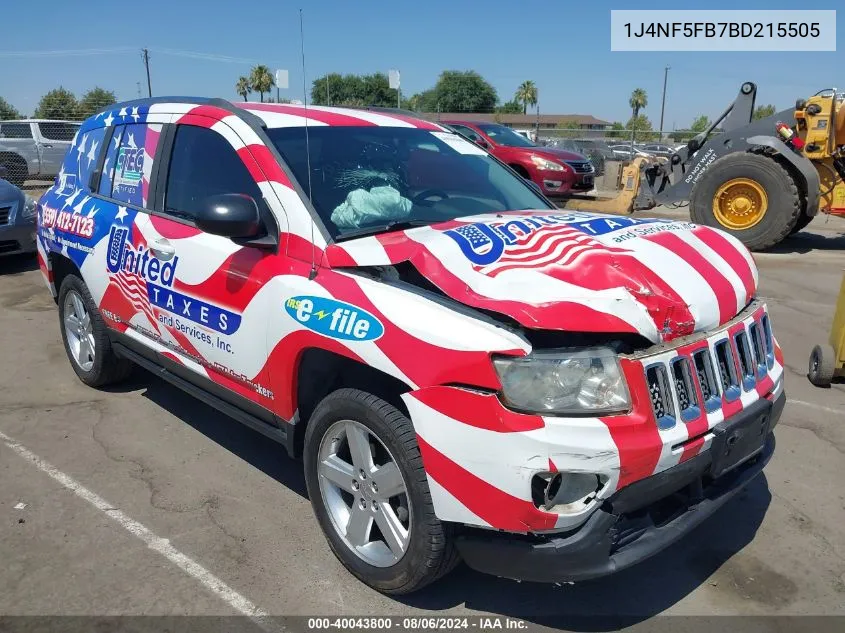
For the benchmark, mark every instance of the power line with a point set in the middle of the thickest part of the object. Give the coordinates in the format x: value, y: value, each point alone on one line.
x: 66, y: 53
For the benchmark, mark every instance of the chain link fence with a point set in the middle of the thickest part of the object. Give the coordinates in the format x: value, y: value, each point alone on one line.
x: 32, y: 148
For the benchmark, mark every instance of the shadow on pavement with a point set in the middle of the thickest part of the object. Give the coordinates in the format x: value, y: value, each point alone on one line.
x: 616, y: 601
x: 806, y: 241
x: 252, y: 447
x: 17, y: 264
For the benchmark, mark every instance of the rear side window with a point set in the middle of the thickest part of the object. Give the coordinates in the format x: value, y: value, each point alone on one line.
x: 15, y: 130
x: 136, y: 154
x: 203, y: 164
x: 58, y: 130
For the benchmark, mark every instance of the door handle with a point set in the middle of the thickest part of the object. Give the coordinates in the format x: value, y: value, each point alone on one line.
x: 46, y: 145
x: 163, y: 249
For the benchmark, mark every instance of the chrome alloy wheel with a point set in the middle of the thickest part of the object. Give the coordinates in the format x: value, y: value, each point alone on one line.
x: 364, y: 493
x: 79, y: 331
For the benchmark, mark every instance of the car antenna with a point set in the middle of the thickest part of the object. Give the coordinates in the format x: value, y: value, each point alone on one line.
x: 313, y: 272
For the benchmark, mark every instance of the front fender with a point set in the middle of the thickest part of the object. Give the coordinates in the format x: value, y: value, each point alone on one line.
x: 800, y: 162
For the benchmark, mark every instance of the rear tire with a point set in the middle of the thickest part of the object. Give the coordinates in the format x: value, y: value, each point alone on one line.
x: 784, y: 199
x: 822, y: 365
x: 429, y: 545
x: 101, y: 366
x: 803, y: 221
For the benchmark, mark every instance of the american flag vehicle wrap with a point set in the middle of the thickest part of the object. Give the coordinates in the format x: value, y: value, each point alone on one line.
x: 228, y: 312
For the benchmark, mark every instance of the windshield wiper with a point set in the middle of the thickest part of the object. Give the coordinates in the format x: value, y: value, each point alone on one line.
x: 396, y: 225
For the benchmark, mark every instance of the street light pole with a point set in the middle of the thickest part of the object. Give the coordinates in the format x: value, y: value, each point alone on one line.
x: 663, y: 104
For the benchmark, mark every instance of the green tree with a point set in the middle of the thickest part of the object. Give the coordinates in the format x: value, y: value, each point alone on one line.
x: 243, y: 87
x: 95, y: 100
x: 57, y: 104
x: 642, y: 128
x: 616, y: 131
x: 700, y: 124
x: 261, y: 80
x: 426, y: 101
x: 526, y: 94
x: 510, y: 107
x: 638, y: 101
x: 464, y: 91
x: 353, y: 90
x: 8, y: 111
x: 763, y: 111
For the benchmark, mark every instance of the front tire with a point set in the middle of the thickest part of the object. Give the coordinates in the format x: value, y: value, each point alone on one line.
x: 751, y: 196
x: 85, y: 337
x: 369, y: 492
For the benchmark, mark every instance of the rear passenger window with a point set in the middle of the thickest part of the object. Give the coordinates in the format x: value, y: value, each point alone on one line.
x: 15, y: 130
x: 203, y: 164
x: 136, y: 154
x: 58, y: 130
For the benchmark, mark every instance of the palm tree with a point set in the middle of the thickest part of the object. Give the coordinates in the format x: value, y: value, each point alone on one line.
x: 243, y: 87
x: 638, y: 100
x: 261, y: 80
x: 527, y: 94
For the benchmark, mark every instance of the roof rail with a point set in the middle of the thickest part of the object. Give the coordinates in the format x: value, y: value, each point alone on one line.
x: 210, y: 101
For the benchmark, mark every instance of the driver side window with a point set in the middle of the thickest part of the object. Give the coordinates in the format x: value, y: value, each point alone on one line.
x: 203, y: 164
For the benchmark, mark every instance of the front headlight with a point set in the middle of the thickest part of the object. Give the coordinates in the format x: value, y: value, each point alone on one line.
x: 543, y: 163
x: 580, y: 382
x: 30, y: 208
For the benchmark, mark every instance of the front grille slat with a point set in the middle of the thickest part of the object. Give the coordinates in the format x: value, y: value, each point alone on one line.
x: 681, y: 387
x: 580, y: 167
x: 5, y: 212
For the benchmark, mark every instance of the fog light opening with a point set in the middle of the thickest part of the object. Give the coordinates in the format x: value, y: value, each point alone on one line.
x: 566, y: 493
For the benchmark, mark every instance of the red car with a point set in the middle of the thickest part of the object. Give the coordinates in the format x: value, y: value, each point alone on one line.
x: 557, y: 172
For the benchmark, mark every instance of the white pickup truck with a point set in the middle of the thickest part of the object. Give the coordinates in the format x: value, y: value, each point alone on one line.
x: 34, y: 148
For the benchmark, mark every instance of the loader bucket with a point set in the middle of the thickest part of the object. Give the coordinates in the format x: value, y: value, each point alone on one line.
x: 637, y: 184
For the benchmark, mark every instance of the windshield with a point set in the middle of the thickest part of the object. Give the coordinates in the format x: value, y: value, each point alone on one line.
x: 374, y: 176
x: 504, y: 135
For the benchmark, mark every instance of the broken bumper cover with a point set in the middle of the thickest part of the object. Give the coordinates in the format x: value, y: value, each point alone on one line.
x: 639, y: 520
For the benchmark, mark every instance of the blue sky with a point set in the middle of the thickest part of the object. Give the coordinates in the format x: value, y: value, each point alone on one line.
x: 563, y: 46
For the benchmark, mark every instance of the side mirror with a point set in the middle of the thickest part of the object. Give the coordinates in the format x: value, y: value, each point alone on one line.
x: 230, y: 215
x: 482, y: 143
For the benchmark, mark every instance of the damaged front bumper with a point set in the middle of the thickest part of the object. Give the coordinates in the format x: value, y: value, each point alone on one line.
x: 642, y: 518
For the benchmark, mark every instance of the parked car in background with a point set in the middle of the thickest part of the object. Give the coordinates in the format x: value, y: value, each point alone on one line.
x: 595, y: 154
x: 555, y: 171
x: 623, y: 151
x: 17, y: 220
x: 656, y: 149
x: 34, y: 148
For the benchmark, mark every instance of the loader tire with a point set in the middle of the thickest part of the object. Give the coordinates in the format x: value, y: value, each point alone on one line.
x: 756, y: 172
x: 803, y: 221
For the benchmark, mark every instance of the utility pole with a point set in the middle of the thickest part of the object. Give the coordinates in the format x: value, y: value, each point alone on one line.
x: 146, y: 55
x: 663, y: 104
x: 328, y: 96
x: 139, y: 88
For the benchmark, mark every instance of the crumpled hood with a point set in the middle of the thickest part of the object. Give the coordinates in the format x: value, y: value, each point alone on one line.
x: 575, y: 271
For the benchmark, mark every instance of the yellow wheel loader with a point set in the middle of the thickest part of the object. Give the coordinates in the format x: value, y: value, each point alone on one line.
x: 758, y: 180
